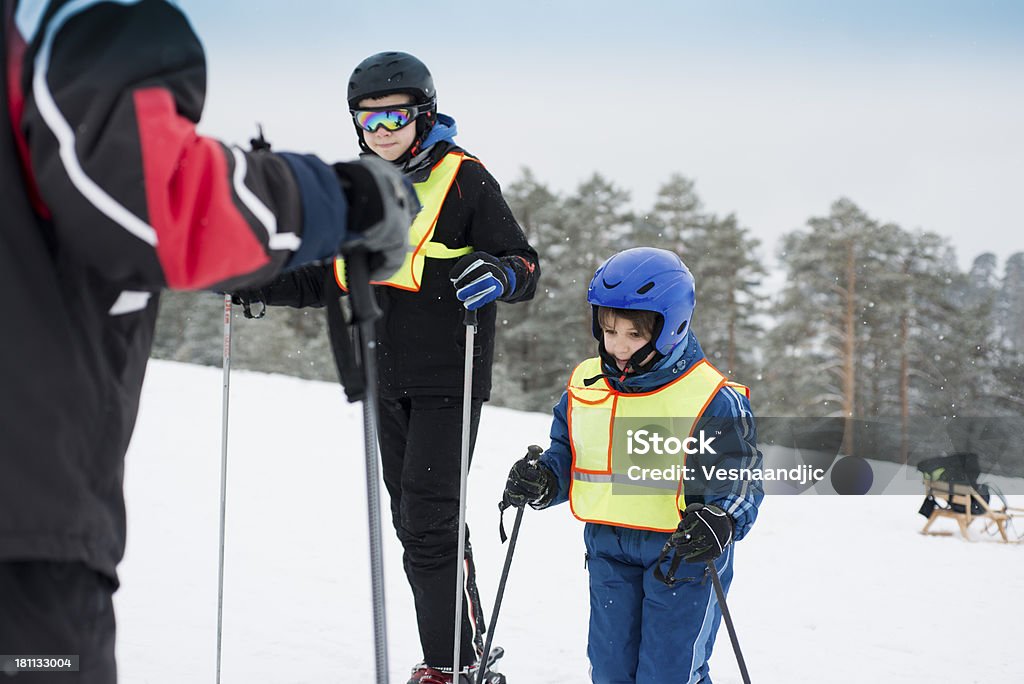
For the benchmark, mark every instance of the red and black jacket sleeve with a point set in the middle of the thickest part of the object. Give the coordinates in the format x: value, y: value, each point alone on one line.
x: 109, y: 94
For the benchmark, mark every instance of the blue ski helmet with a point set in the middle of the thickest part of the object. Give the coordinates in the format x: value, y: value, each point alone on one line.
x: 647, y: 279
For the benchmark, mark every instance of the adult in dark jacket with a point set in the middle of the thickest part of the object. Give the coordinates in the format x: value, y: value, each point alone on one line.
x: 466, y: 249
x: 108, y: 196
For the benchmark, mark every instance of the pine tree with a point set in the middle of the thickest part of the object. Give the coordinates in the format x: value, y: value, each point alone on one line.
x: 1007, y: 392
x: 677, y: 211
x: 541, y: 341
x: 796, y: 380
x: 1011, y: 304
x: 526, y: 353
x: 834, y: 273
x: 727, y: 269
x: 924, y: 271
x: 190, y: 329
x: 595, y: 223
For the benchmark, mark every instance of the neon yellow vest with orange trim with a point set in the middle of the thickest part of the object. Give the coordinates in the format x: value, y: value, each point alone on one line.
x: 431, y: 194
x: 600, y: 490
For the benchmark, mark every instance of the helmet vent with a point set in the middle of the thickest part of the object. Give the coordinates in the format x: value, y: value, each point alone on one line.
x: 682, y: 327
x: 646, y: 288
x: 610, y: 286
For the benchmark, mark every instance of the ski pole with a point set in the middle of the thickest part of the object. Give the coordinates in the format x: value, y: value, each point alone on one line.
x: 533, y: 453
x: 364, y: 312
x: 467, y: 402
x: 226, y: 363
x: 720, y: 593
x: 501, y: 590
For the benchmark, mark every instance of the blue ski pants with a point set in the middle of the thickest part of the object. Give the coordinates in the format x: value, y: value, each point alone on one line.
x: 642, y: 631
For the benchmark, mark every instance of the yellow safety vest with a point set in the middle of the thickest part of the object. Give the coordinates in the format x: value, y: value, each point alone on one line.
x: 601, y: 490
x: 431, y: 194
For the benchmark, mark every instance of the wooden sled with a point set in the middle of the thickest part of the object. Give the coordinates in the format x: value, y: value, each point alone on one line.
x: 948, y: 494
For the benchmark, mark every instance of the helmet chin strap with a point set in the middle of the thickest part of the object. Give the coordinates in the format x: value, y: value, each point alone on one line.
x: 634, y: 365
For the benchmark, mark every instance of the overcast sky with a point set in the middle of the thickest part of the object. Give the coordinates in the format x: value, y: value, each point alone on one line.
x: 914, y: 110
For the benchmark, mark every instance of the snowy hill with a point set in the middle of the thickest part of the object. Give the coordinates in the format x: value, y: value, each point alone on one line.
x: 827, y: 588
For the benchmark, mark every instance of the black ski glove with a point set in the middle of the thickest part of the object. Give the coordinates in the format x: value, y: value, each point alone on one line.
x: 381, y: 207
x: 259, y: 143
x: 480, y: 278
x: 529, y: 482
x: 703, y: 533
x: 246, y: 299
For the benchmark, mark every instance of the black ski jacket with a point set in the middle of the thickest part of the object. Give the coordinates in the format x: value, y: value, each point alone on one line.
x: 108, y: 195
x: 421, y: 335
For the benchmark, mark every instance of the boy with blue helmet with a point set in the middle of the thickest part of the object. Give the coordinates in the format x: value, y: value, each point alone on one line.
x: 648, y: 280
x: 631, y: 453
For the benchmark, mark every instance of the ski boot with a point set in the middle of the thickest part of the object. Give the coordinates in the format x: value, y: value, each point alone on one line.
x: 490, y: 676
x: 424, y: 674
x: 494, y: 678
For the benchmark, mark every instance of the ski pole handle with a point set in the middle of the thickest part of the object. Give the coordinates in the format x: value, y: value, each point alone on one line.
x: 533, y: 454
x: 364, y: 304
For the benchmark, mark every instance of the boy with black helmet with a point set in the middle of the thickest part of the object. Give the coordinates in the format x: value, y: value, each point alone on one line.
x: 393, y: 73
x: 466, y: 250
x: 643, y: 499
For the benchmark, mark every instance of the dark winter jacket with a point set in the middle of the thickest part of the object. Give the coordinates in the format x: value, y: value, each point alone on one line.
x: 421, y: 335
x: 108, y: 195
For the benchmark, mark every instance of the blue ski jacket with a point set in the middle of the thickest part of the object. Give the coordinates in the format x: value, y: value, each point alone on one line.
x: 737, y: 447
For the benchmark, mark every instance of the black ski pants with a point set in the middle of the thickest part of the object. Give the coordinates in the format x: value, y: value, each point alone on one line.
x: 57, y: 609
x: 421, y: 447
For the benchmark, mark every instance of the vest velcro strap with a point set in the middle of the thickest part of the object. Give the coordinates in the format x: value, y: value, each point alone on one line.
x: 437, y: 250
x: 743, y: 389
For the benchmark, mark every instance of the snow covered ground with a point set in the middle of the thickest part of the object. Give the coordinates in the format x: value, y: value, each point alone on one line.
x: 827, y: 588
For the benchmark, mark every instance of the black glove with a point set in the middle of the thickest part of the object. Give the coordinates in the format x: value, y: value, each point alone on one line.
x: 381, y: 207
x: 702, y: 534
x: 259, y: 143
x: 246, y: 298
x: 529, y: 482
x: 480, y: 278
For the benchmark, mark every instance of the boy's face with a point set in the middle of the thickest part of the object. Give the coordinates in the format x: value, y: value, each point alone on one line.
x: 622, y: 339
x: 389, y: 145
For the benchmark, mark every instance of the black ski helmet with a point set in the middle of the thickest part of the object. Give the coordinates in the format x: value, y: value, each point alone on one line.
x: 391, y: 72
x: 386, y: 73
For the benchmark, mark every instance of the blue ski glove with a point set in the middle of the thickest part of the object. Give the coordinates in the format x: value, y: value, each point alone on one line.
x: 703, y: 533
x: 480, y: 278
